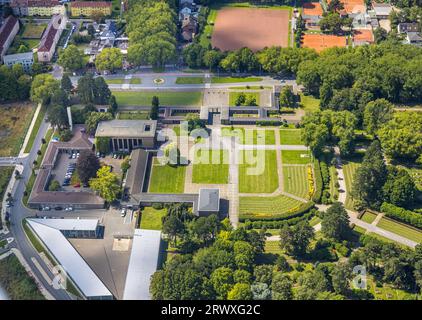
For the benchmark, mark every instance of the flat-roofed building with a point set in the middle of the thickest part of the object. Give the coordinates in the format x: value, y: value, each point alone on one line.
x: 208, y: 202
x: 88, y: 8
x: 126, y: 135
x: 26, y: 59
x: 8, y: 31
x: 51, y: 37
x: 51, y: 233
x: 382, y: 10
x: 144, y: 261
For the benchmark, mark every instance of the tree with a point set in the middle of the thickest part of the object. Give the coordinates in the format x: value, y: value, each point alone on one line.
x: 295, y: 239
x: 287, y: 98
x: 263, y: 274
x: 109, y: 59
x: 106, y: 184
x: 242, y: 276
x: 222, y: 281
x: 98, y: 16
x: 281, y: 287
x: 94, y: 118
x: 340, y: 277
x: 335, y: 222
x: 212, y: 59
x: 155, y: 104
x: 113, y: 105
x: 172, y: 153
x: 380, y: 35
x: 399, y: 189
x: 331, y: 23
x: 376, y: 114
x: 282, y: 264
x: 86, y: 88
x: 173, y: 227
x: 71, y: 58
x: 57, y: 116
x: 335, y: 6
x: 102, y: 93
x: 205, y: 228
x: 311, y: 283
x: 261, y: 291
x: 54, y: 186
x: 87, y: 165
x: 240, y: 291
x: 42, y: 88
x: 60, y: 97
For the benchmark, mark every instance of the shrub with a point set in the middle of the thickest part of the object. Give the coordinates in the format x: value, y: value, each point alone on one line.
x: 158, y: 206
x: 319, y: 184
x: 401, y: 214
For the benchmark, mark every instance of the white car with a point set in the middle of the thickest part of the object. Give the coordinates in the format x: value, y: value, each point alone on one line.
x: 123, y: 213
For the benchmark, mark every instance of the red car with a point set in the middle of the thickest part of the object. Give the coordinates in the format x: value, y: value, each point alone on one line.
x: 78, y: 185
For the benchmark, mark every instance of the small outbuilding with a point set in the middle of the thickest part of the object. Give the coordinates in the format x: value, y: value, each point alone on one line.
x: 208, y: 202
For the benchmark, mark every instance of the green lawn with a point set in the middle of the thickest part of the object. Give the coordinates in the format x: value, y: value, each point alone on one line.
x: 115, y: 81
x: 250, y: 87
x: 135, y: 80
x: 272, y: 247
x: 151, y: 218
x: 248, y: 95
x: 349, y: 170
x: 266, y: 207
x: 15, y: 119
x: 251, y: 136
x: 205, y: 37
x: 314, y: 221
x: 5, y: 174
x: 35, y: 129
x: 133, y: 115
x: 217, y: 169
x: 368, y: 217
x: 189, y: 80
x: 259, y: 176
x: 400, y: 229
x: 33, y: 31
x: 291, y: 137
x: 309, y: 103
x: 235, y: 79
x: 126, y: 98
x: 167, y: 179
x: 387, y: 291
x: 295, y: 157
x: 295, y: 180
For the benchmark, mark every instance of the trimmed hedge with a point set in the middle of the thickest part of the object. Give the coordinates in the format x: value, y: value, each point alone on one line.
x: 402, y: 215
x: 278, y: 224
x: 318, y: 180
x: 264, y: 123
x: 302, y: 209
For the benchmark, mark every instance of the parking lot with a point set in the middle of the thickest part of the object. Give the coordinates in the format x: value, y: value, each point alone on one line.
x: 60, y: 171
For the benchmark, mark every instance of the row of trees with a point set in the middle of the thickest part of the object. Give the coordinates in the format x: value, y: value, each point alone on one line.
x: 14, y: 83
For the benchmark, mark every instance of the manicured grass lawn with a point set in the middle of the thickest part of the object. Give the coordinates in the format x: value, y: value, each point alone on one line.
x: 349, y: 170
x: 115, y: 81
x: 31, y: 43
x: 257, y: 175
x: 15, y: 119
x: 295, y: 157
x: 133, y: 115
x: 272, y: 247
x: 250, y: 136
x: 167, y: 179
x: 205, y: 37
x: 291, y: 137
x: 368, y: 217
x: 189, y: 80
x: 151, y: 218
x: 33, y: 31
x: 250, y: 88
x: 5, y: 174
x: 235, y: 79
x: 249, y: 96
x: 387, y: 291
x: 400, y: 229
x: 265, y: 207
x: 211, y: 166
x: 295, y: 180
x: 314, y: 221
x: 309, y: 103
x: 125, y: 98
x: 135, y: 80
x: 35, y: 129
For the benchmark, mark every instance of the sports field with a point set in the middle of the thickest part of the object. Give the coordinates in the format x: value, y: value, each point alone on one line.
x: 167, y: 98
x: 256, y: 175
x: 320, y: 42
x: 295, y: 180
x: 255, y: 28
x: 211, y: 166
x: 167, y: 179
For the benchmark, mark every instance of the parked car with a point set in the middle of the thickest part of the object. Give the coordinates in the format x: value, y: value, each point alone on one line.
x: 123, y: 212
x: 78, y: 185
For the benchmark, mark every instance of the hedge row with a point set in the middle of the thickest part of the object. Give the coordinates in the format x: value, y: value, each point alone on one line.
x: 301, y: 209
x: 278, y: 224
x: 265, y: 123
x: 318, y: 180
x: 402, y: 215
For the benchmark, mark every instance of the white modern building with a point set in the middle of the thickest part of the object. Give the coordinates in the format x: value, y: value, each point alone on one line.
x: 26, y: 59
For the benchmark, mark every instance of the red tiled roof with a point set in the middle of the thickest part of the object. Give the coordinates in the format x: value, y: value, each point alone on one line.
x: 89, y: 4
x: 5, y: 30
x: 43, y: 3
x: 48, y: 38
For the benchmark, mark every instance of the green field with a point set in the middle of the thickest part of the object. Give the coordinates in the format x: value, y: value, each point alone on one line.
x: 35, y: 129
x: 295, y: 180
x: 368, y: 217
x: 235, y: 79
x: 291, y: 137
x: 272, y: 247
x: 15, y: 119
x: 151, y: 219
x: 309, y: 103
x: 189, y: 80
x: 295, y: 157
x: 400, y: 229
x: 5, y: 174
x: 205, y: 37
x: 265, y: 178
x: 211, y: 173
x: 265, y: 207
x: 133, y: 115
x: 167, y: 179
x: 250, y: 136
x: 249, y: 95
x: 314, y: 221
x: 349, y: 170
x: 115, y: 81
x: 126, y: 98
x: 33, y: 31
x: 135, y: 80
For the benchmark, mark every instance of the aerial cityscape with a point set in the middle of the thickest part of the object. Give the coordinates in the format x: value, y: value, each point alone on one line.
x: 211, y: 150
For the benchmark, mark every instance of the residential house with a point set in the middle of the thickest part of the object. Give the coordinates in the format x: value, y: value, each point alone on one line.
x: 189, y: 28
x: 51, y: 37
x: 408, y: 27
x: 382, y: 10
x: 8, y: 31
x: 25, y: 59
x: 88, y: 8
x: 413, y: 38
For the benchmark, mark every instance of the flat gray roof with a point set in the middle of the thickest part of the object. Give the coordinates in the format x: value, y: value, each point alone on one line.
x: 70, y: 224
x: 209, y: 200
x: 75, y: 266
x: 18, y: 56
x: 143, y: 263
x: 136, y: 173
x: 127, y: 129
